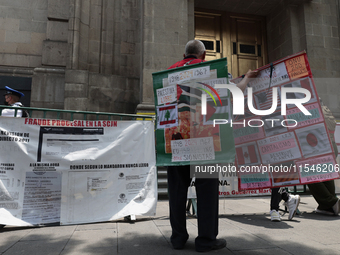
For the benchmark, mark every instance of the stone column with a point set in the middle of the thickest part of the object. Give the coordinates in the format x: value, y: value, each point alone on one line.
x: 323, y: 50
x: 313, y: 27
x: 166, y: 28
x: 49, y: 76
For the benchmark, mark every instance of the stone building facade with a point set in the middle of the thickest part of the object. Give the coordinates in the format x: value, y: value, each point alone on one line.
x: 99, y: 55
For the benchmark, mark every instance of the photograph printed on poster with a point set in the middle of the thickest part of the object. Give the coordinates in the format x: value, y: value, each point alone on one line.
x: 284, y: 174
x: 279, y: 148
x: 313, y: 140
x: 264, y: 99
x: 247, y: 154
x: 272, y: 127
x: 304, y: 83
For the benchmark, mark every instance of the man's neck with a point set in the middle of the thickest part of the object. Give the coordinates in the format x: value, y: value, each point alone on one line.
x: 190, y: 56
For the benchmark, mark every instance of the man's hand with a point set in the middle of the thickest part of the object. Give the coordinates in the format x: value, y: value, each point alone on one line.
x: 251, y: 74
x: 248, y: 76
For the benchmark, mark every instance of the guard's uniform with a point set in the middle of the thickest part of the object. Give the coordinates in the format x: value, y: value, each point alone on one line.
x: 207, y: 198
x: 11, y: 112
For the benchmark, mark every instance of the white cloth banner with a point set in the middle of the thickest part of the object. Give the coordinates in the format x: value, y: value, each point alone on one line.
x: 228, y: 187
x: 75, y: 171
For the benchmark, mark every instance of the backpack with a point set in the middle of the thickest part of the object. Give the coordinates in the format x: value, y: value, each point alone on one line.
x: 25, y: 113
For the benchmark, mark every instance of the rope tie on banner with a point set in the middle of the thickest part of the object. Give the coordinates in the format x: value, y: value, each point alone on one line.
x: 263, y: 96
x: 270, y: 76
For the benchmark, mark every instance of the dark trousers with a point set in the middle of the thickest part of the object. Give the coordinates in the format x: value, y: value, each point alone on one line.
x: 276, y: 198
x: 207, y: 206
x: 324, y: 194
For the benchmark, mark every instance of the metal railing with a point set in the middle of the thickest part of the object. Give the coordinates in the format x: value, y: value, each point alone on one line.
x: 72, y: 115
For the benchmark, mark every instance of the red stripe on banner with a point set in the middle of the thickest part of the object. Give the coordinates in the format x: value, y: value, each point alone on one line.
x: 179, y: 92
x: 167, y: 108
x: 252, y: 153
x: 267, y: 104
x: 210, y: 112
x: 240, y: 158
x: 167, y: 122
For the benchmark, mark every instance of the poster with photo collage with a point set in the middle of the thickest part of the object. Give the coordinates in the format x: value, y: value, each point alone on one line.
x: 278, y: 149
x: 185, y: 136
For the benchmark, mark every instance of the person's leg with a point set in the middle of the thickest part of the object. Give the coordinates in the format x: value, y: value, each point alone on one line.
x: 178, y: 183
x: 275, y: 199
x: 207, y: 215
x: 330, y: 185
x: 324, y: 194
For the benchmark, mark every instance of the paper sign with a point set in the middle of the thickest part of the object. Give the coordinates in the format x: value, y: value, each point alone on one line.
x: 304, y: 120
x: 317, y: 169
x: 195, y: 149
x: 246, y: 134
x: 313, y: 140
x: 279, y: 76
x: 167, y: 95
x: 279, y: 148
x: 195, y: 73
x: 254, y: 180
x: 296, y: 67
x: 167, y: 116
x: 248, y: 154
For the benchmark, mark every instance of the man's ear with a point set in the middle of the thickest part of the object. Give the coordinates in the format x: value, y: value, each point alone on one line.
x: 184, y: 55
x: 203, y: 56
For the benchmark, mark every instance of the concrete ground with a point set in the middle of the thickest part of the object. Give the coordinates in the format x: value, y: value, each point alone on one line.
x: 244, y: 223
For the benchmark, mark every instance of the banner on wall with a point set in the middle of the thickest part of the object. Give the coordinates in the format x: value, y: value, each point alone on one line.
x: 75, y: 171
x: 286, y: 147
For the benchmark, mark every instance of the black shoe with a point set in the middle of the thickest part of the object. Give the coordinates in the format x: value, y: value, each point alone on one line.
x: 178, y: 246
x: 178, y: 243
x: 218, y: 244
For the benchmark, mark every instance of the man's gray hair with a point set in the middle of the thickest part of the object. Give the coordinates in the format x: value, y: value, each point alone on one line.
x: 194, y: 47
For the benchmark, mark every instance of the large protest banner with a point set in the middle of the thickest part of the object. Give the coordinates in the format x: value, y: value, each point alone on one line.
x: 185, y: 136
x: 286, y: 147
x: 75, y: 171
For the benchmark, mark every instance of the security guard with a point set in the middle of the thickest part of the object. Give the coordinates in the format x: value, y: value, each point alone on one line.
x: 12, y: 98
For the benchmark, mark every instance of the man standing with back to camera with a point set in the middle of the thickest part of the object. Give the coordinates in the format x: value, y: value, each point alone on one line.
x: 179, y: 180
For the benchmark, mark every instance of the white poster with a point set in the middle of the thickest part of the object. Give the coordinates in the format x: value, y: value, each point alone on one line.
x: 75, y: 172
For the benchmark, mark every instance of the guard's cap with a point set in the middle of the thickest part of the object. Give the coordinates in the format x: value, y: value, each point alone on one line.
x: 13, y: 92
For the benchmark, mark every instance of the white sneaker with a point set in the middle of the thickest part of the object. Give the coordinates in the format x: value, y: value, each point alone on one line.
x: 336, y: 207
x: 275, y: 215
x: 292, y: 205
